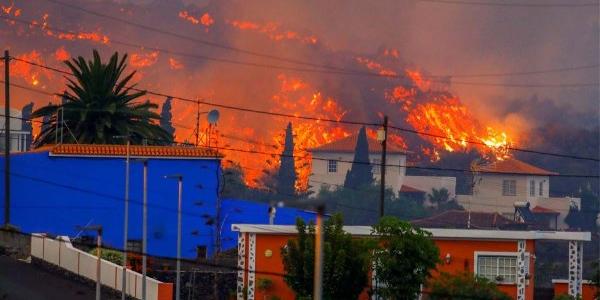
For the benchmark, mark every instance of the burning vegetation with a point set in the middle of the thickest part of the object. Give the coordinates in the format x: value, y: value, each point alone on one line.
x: 410, y: 98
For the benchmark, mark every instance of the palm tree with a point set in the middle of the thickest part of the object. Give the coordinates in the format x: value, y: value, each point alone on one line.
x: 438, y: 197
x: 99, y: 106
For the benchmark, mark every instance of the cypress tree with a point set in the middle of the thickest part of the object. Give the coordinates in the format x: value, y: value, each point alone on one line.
x: 166, y: 116
x: 360, y: 174
x: 286, y: 177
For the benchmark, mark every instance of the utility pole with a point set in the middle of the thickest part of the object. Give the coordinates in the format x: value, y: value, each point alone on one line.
x: 383, y: 137
x: 197, y: 122
x: 98, y: 229
x: 125, y: 222
x: 144, y: 228
x: 6, y: 138
x: 179, y: 200
x: 318, y: 279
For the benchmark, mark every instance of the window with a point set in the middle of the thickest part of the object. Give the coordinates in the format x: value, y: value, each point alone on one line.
x: 497, y: 268
x: 532, y: 188
x: 332, y: 166
x: 541, y: 188
x: 509, y: 188
x: 376, y: 164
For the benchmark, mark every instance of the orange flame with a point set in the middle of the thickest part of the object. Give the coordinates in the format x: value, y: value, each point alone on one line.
x: 175, y: 64
x: 27, y: 72
x: 446, y: 122
x: 61, y: 54
x: 142, y: 60
x: 273, y: 31
x: 206, y: 20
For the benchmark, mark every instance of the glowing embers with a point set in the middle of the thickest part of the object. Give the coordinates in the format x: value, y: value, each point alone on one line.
x: 273, y: 31
x: 205, y: 20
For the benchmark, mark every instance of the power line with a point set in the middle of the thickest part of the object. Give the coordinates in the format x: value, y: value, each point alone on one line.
x: 349, y: 73
x: 270, y: 56
x: 231, y: 107
x: 516, y: 73
x: 514, y: 4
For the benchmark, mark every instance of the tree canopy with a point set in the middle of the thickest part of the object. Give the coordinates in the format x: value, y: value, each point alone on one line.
x: 345, y: 261
x: 100, y: 105
x: 361, y: 173
x: 464, y: 286
x: 405, y: 259
x: 286, y: 176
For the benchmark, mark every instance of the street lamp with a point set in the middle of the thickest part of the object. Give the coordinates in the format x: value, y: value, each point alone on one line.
x: 125, y: 218
x: 179, y: 196
x: 98, y: 229
x: 144, y: 227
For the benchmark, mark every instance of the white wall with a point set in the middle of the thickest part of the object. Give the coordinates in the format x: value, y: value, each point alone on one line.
x: 60, y: 252
x: 320, y: 176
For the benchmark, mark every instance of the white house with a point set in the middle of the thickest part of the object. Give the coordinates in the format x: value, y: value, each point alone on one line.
x: 498, y: 186
x: 18, y: 136
x: 330, y: 162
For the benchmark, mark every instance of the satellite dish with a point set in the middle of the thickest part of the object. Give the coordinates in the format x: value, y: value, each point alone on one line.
x: 213, y: 117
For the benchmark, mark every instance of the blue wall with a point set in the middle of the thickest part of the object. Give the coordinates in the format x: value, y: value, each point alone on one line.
x: 55, y: 194
x: 247, y: 212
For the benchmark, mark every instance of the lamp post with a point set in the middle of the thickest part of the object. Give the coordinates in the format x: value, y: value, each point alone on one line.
x: 98, y: 229
x: 179, y: 196
x: 125, y: 219
x: 144, y: 227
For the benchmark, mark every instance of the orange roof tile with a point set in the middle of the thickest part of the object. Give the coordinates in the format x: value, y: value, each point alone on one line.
x: 543, y: 210
x: 460, y: 218
x: 348, y: 144
x: 410, y: 189
x: 135, y: 151
x: 514, y: 166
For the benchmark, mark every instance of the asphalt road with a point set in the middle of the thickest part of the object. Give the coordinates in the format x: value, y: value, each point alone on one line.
x: 21, y: 280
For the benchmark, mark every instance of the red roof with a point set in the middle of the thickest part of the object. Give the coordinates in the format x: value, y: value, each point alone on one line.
x: 543, y: 210
x: 460, y: 218
x: 514, y: 166
x: 135, y: 151
x: 348, y: 144
x: 410, y: 189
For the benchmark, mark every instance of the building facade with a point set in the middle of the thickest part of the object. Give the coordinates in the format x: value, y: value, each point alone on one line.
x: 331, y: 162
x: 504, y: 257
x: 498, y: 186
x: 20, y: 137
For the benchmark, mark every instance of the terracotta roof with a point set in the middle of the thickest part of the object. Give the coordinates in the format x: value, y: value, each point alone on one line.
x: 514, y: 166
x: 348, y: 144
x: 543, y: 210
x: 135, y: 151
x: 460, y: 218
x: 410, y: 189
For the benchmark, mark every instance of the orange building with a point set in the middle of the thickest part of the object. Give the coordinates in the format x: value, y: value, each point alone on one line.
x: 505, y: 257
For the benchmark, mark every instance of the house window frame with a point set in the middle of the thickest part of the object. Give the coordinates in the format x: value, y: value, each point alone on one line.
x: 506, y: 187
x: 541, y: 193
x: 332, y: 166
x: 532, y: 188
x: 477, y: 254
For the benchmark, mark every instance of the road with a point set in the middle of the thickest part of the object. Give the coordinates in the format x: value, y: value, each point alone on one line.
x: 21, y: 280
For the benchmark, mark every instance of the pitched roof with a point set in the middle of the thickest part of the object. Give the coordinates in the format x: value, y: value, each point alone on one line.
x: 409, y: 189
x: 514, y: 166
x: 348, y: 144
x: 460, y: 218
x: 87, y: 150
x: 543, y: 210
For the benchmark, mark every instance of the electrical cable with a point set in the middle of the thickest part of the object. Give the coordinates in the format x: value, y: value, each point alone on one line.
x: 201, y: 57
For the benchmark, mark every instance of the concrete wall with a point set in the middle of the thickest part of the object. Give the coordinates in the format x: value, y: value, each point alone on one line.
x: 394, y: 174
x: 60, y: 252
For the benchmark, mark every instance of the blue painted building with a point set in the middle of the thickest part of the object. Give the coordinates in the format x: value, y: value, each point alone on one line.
x: 55, y: 189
